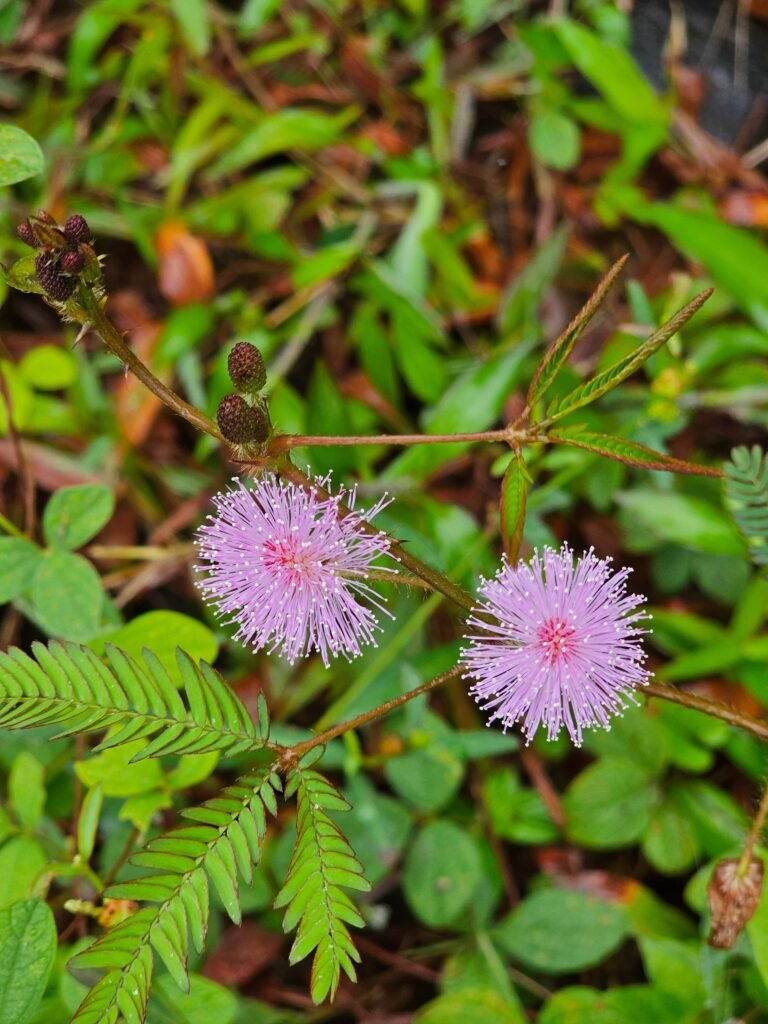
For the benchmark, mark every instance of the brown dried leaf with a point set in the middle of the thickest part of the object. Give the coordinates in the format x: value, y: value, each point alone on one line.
x: 242, y: 953
x: 185, y: 271
x: 733, y: 899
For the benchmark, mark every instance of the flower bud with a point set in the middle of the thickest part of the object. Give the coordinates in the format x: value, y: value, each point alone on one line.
x: 48, y: 274
x: 239, y: 422
x: 27, y: 235
x: 246, y: 368
x: 72, y: 262
x: 733, y: 897
x: 76, y: 229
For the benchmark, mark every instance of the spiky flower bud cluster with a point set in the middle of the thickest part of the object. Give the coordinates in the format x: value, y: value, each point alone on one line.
x: 64, y: 251
x: 241, y: 423
x: 246, y: 368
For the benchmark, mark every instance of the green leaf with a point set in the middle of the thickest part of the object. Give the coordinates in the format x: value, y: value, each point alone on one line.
x: 26, y: 789
x: 75, y: 514
x: 681, y: 519
x: 21, y: 862
x: 192, y: 18
x: 669, y: 841
x: 629, y: 1005
x: 520, y: 306
x: 428, y: 779
x: 48, y: 368
x: 560, y: 931
x: 442, y: 870
x: 113, y: 772
x: 736, y: 259
x: 604, y: 382
x: 20, y: 155
x: 559, y: 351
x: 554, y: 138
x: 66, y: 595
x: 609, y: 804
x: 517, y: 813
x: 67, y: 684
x: 628, y: 452
x: 17, y: 564
x: 163, y: 632
x: 322, y: 866
x: 746, y: 489
x: 478, y: 1005
x: 205, y: 1002
x: 514, y: 495
x: 27, y: 953
x: 612, y: 71
x: 88, y: 821
x: 376, y: 827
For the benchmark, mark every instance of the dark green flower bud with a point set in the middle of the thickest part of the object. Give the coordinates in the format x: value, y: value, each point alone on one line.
x: 246, y: 368
x: 50, y: 277
x: 239, y: 422
x: 76, y: 229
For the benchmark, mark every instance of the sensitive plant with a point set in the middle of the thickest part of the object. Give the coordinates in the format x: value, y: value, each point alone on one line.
x: 553, y: 643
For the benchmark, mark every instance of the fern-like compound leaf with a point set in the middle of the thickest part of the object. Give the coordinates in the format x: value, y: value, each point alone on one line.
x: 67, y: 684
x: 746, y: 489
x: 322, y: 866
x: 228, y: 833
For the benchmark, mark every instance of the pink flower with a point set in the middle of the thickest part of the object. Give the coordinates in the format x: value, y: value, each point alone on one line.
x: 562, y: 647
x: 284, y: 567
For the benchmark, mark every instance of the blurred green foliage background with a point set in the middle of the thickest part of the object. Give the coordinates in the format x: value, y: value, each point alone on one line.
x: 399, y: 204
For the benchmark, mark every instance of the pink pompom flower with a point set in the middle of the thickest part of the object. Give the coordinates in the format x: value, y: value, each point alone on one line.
x: 558, y: 644
x: 283, y: 565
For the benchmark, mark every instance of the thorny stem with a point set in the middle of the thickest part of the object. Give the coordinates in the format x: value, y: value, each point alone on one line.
x: 710, y: 707
x: 284, y: 442
x: 369, y: 716
x: 112, y: 338
x: 754, y: 834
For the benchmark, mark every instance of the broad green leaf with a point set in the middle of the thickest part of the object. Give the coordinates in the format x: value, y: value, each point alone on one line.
x: 428, y: 779
x: 21, y: 862
x: 66, y: 595
x: 442, y: 870
x: 408, y: 258
x: 682, y: 519
x: 554, y: 138
x: 48, y: 368
x: 18, y: 559
x: 205, y: 1003
x: 27, y: 953
x: 115, y: 774
x: 675, y: 969
x: 26, y: 789
x: 631, y: 1004
x: 736, y: 259
x: 517, y: 813
x: 514, y: 494
x: 520, y: 306
x: 376, y: 827
x: 20, y: 155
x: 612, y: 71
x: 163, y: 632
x: 75, y: 514
x: 628, y: 452
x: 561, y: 931
x: 479, y: 1005
x: 609, y: 804
x: 669, y: 841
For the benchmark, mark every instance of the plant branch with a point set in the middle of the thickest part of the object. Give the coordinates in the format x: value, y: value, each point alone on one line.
x: 370, y: 716
x: 710, y: 707
x: 113, y: 339
x: 284, y: 442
